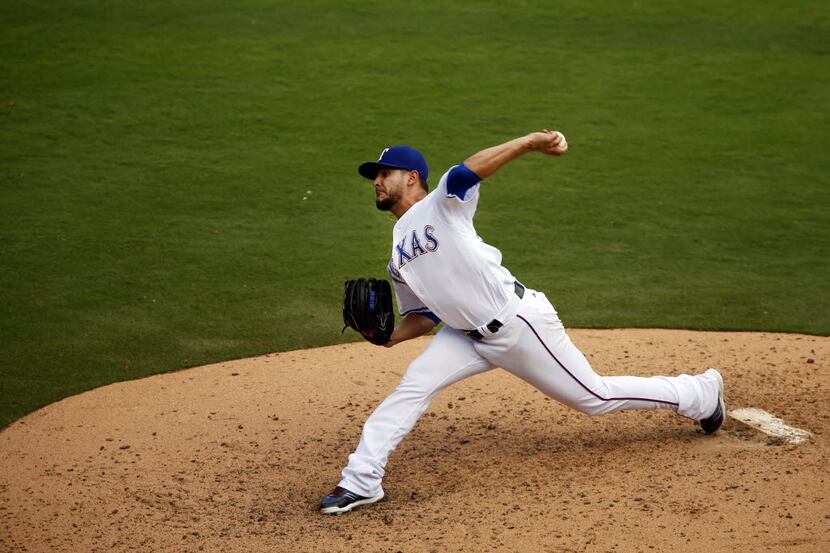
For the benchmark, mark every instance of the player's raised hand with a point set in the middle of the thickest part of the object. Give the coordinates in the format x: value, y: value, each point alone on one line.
x: 552, y: 143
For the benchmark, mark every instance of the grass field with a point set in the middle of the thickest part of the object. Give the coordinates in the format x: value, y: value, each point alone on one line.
x: 178, y: 180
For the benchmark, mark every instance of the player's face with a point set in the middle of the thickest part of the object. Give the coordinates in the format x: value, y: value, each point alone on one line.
x: 389, y: 187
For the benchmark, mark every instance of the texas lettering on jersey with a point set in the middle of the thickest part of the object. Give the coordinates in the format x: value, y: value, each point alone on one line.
x: 410, y: 247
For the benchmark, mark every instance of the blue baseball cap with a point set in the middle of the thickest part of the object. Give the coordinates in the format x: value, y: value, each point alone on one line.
x: 396, y: 157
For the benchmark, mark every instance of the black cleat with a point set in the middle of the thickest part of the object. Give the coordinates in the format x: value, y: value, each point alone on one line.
x: 711, y: 423
x: 342, y: 501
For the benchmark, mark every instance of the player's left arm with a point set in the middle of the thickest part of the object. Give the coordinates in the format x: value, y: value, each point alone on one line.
x: 486, y: 162
x: 412, y: 326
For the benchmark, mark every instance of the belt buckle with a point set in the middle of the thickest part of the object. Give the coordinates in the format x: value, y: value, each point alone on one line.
x: 493, y: 326
x: 474, y: 334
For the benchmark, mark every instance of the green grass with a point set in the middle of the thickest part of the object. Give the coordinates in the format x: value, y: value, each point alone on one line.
x: 154, y: 158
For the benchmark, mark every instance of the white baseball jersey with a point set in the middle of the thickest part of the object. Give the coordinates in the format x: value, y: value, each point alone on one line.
x: 441, y: 266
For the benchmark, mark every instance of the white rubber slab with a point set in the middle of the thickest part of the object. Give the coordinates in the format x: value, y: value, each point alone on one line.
x: 771, y: 425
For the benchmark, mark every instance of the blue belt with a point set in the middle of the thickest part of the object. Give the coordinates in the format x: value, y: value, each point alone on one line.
x: 494, y: 325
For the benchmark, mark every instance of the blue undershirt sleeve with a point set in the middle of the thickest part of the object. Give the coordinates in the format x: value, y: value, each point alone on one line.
x: 424, y: 312
x: 460, y: 179
x: 432, y: 316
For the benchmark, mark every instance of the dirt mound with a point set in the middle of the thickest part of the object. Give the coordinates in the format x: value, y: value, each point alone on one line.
x: 235, y: 456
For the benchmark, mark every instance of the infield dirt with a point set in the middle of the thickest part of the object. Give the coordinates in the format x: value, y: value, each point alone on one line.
x: 235, y: 456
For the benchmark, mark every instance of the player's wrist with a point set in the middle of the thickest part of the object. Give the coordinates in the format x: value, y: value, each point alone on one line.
x: 531, y: 142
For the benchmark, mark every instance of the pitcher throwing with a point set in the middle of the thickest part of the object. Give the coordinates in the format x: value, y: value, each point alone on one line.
x: 442, y: 271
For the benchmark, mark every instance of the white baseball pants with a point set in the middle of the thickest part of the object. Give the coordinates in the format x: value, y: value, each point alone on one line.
x: 534, y: 347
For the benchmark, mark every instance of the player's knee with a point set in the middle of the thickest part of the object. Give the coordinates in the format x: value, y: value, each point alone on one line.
x: 594, y: 403
x: 590, y: 406
x: 418, y: 383
x: 412, y: 389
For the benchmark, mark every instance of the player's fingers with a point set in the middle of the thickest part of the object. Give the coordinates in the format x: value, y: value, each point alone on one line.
x: 554, y: 143
x: 540, y: 140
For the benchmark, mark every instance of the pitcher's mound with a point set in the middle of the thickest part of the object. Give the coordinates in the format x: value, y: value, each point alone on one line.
x: 235, y: 457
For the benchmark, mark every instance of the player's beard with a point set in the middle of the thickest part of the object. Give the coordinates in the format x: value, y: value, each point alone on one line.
x: 387, y: 203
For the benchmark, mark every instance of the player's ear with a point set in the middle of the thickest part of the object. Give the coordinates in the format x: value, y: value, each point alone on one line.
x: 414, y: 178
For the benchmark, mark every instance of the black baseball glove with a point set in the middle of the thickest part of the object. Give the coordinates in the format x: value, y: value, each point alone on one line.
x: 367, y: 308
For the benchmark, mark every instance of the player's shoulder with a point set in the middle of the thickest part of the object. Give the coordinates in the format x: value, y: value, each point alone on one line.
x: 441, y: 189
x: 448, y: 197
x: 460, y: 186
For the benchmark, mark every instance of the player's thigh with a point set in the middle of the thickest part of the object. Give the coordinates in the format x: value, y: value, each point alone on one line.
x: 537, y: 349
x: 449, y: 357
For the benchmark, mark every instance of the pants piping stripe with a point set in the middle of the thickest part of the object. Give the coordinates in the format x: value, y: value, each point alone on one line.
x: 590, y: 391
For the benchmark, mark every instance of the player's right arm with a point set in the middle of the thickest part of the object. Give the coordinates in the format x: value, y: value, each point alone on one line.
x: 486, y: 162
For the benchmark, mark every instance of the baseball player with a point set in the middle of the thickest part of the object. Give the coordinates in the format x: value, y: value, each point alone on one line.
x: 443, y: 272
